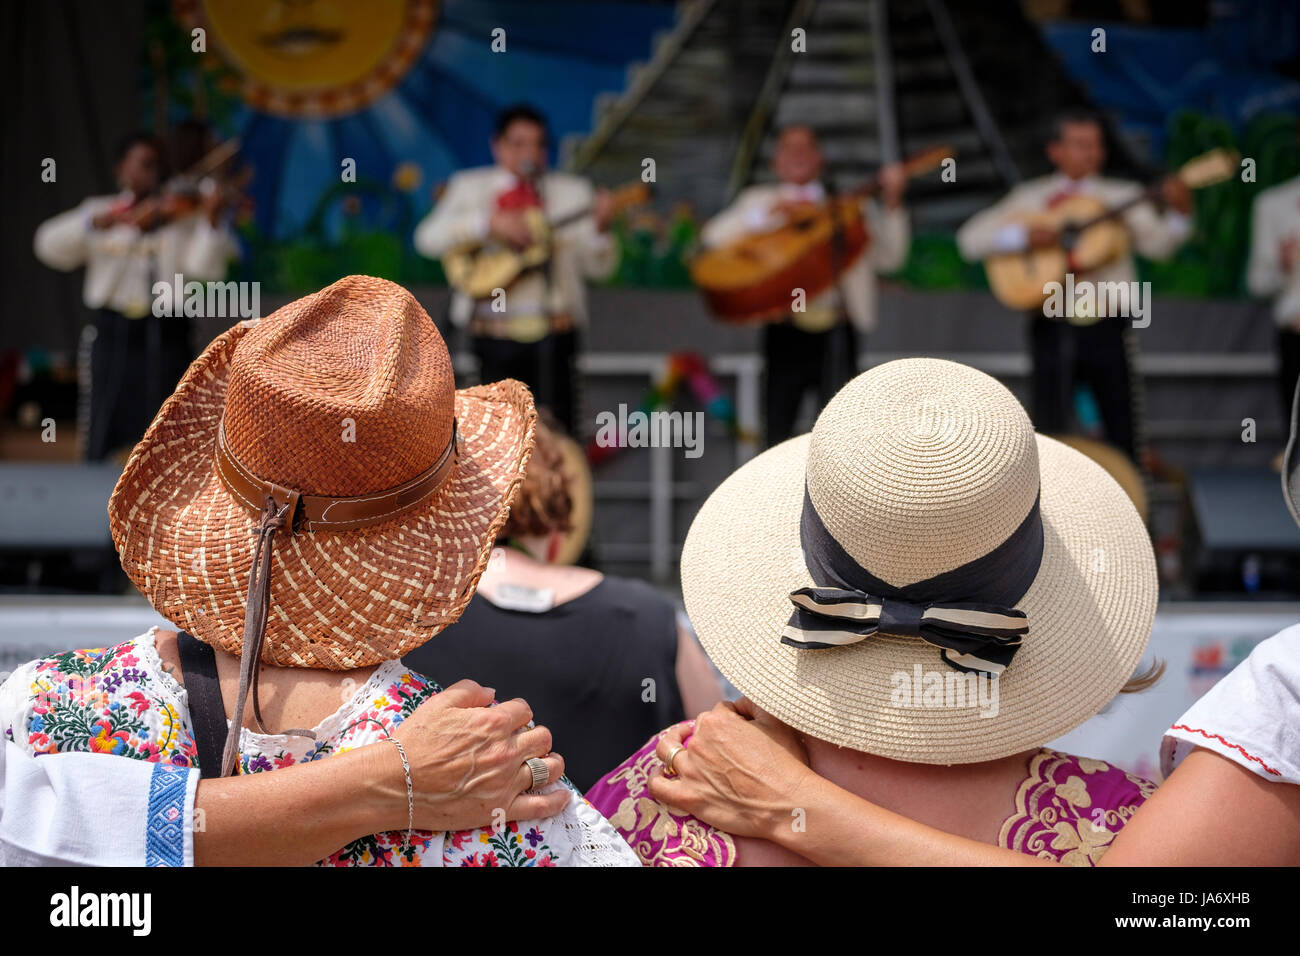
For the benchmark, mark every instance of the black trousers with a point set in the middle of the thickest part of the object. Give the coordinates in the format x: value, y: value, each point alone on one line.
x: 134, y: 365
x: 1065, y: 356
x: 546, y: 366
x: 1288, y: 351
x: 798, y: 361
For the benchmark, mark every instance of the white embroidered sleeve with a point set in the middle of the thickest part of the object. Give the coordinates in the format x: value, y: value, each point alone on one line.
x: 86, y: 809
x: 1251, y: 717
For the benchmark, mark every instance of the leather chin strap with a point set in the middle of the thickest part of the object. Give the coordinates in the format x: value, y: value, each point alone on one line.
x: 283, y: 508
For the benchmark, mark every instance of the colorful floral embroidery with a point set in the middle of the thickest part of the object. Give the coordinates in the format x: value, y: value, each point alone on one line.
x: 509, y: 847
x: 658, y: 836
x: 118, y: 700
x: 384, y: 849
x: 106, y: 701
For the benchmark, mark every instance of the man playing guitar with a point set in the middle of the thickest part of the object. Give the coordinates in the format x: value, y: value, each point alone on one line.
x: 527, y: 331
x: 815, y: 348
x: 1064, y: 354
x: 1274, y: 271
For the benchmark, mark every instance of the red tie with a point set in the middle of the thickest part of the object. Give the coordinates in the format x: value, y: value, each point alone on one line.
x: 523, y: 195
x: 1061, y: 195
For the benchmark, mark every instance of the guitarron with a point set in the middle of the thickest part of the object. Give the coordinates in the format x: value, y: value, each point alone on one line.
x: 751, y: 279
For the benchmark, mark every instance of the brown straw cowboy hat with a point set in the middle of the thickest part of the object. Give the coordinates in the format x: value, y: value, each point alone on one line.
x: 317, y: 492
x: 923, y: 537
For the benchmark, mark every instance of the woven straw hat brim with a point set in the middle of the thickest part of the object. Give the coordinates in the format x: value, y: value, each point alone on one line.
x: 338, y: 600
x: 1090, y: 611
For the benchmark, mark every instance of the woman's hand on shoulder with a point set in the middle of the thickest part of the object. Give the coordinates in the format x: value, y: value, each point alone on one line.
x: 741, y: 770
x: 468, y: 762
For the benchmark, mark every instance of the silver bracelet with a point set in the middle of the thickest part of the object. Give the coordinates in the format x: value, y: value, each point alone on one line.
x: 410, y: 792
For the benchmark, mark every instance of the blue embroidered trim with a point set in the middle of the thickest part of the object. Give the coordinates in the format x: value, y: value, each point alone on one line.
x: 165, y: 820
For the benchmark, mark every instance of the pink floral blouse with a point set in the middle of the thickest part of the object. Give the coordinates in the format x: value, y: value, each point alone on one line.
x: 1066, y: 809
x: 119, y: 700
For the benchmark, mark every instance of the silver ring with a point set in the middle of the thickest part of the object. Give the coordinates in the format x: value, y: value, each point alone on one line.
x: 541, y: 773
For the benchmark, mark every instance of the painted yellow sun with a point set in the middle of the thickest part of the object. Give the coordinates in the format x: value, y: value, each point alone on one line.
x: 313, y: 57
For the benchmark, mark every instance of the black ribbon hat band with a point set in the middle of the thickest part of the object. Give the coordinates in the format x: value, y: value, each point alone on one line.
x: 967, y: 612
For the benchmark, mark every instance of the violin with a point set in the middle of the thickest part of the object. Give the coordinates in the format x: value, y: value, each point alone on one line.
x: 181, y: 195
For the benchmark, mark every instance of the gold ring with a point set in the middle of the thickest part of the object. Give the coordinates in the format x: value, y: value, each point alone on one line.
x: 668, y: 764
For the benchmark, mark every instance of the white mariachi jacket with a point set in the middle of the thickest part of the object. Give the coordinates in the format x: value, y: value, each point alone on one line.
x: 891, y: 237
x: 1153, y: 234
x: 581, y: 251
x: 1275, y: 219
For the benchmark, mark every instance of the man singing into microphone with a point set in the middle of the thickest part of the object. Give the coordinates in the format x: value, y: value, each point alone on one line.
x: 528, y: 331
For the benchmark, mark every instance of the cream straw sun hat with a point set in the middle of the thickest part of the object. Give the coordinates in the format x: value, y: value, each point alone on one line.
x: 939, y: 527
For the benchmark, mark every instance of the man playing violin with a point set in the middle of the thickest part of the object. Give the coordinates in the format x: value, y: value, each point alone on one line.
x: 1064, y: 354
x: 529, y: 331
x: 815, y: 348
x: 128, y: 242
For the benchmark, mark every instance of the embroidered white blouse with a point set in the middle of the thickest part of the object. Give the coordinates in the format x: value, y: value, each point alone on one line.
x: 119, y: 700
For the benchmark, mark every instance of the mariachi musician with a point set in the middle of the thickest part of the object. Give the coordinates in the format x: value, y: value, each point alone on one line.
x: 127, y: 243
x: 1097, y: 354
x: 815, y: 348
x: 1274, y: 271
x: 531, y: 333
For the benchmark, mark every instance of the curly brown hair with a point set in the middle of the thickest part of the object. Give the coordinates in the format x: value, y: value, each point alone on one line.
x: 544, y: 503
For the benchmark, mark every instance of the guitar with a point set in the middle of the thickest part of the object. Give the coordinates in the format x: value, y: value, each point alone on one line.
x: 751, y: 279
x: 479, y: 268
x: 1091, y: 235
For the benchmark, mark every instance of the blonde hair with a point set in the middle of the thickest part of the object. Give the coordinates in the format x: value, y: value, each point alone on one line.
x: 1144, y: 680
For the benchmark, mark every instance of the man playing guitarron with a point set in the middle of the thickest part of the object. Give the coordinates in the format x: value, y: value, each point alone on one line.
x: 1084, y: 349
x: 527, y: 331
x: 816, y: 348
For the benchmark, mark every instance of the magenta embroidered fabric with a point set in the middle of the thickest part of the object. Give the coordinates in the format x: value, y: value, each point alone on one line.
x: 1066, y: 809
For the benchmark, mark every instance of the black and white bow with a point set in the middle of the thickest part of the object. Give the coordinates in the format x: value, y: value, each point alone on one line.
x: 972, y: 637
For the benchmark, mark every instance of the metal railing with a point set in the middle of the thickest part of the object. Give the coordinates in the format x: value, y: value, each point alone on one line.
x: 970, y: 91
x: 645, y: 79
x: 883, y: 60
x: 765, y: 104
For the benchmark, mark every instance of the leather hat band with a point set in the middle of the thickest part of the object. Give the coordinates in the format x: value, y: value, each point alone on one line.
x: 323, y: 512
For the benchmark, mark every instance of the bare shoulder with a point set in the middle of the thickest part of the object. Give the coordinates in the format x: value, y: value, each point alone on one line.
x: 168, y: 652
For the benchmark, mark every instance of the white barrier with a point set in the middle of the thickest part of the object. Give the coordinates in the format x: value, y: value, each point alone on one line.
x: 1200, y: 644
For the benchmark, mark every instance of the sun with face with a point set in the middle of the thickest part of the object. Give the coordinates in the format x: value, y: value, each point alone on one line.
x: 313, y: 57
